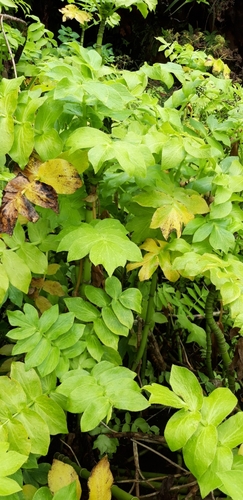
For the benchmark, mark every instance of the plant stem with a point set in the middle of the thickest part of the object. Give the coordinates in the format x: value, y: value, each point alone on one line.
x: 214, y: 328
x: 208, y: 359
x: 148, y: 322
x: 84, y: 474
x: 100, y: 35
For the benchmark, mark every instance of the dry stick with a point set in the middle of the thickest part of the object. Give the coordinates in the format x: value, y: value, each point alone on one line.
x: 8, y: 47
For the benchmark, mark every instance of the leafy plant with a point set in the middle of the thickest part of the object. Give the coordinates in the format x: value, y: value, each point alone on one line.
x: 199, y: 428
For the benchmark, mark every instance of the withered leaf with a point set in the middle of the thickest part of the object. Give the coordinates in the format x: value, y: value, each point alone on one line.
x: 14, y: 203
x: 61, y: 175
x: 42, y: 194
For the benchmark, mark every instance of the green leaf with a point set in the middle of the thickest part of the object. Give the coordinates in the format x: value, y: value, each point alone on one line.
x: 180, y: 427
x: 113, y: 323
x: 48, y: 318
x: 4, y: 283
x: 62, y: 325
x: 96, y: 411
x: 52, y: 414
x: 230, y: 432
x: 48, y: 144
x: 113, y: 287
x: 164, y: 396
x: 218, y: 405
x: 37, y: 355
x: 94, y: 347
x: 200, y: 449
x: 69, y: 491
x: 173, y: 153
x: 87, y: 137
x: 83, y: 310
x: 7, y: 134
x: 124, y: 315
x: 28, y: 380
x: 105, y: 335
x: 222, y: 462
x: 17, y: 436
x: 17, y: 271
x: 12, y: 394
x: 50, y: 362
x: 33, y: 257
x: 233, y: 483
x: 131, y: 299
x: 43, y: 494
x: 221, y: 239
x: 8, y: 486
x: 97, y: 296
x: 23, y: 143
x: 185, y: 384
x: 10, y: 461
x: 37, y: 430
x: 230, y: 292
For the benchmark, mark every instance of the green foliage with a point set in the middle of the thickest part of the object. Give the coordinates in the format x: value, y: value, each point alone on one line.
x: 199, y: 428
x: 122, y: 214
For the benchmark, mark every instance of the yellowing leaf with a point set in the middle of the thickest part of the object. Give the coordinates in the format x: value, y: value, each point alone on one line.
x: 52, y: 269
x: 100, y: 481
x: 54, y: 288
x: 42, y: 303
x: 171, y: 218
x: 28, y: 491
x: 73, y: 12
x: 42, y: 194
x: 61, y: 475
x: 61, y: 175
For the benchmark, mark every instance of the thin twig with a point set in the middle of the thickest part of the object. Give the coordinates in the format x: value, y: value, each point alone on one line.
x: 13, y: 18
x: 8, y: 47
x: 162, y: 456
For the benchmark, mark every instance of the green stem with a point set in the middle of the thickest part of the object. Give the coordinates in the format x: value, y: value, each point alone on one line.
x: 219, y: 337
x: 100, y: 35
x: 208, y: 359
x: 148, y: 322
x: 84, y: 474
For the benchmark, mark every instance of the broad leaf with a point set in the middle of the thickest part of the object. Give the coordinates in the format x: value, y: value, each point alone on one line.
x: 199, y: 451
x: 100, y: 481
x: 185, y: 384
x: 180, y: 427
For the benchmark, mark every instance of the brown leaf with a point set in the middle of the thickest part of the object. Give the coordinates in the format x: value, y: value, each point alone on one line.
x: 31, y: 171
x: 13, y: 203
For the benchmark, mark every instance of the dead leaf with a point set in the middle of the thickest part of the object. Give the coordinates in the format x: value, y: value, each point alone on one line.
x: 100, y: 481
x: 13, y: 203
x: 61, y: 475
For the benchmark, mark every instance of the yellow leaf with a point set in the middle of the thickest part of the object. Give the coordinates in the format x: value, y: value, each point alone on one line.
x: 52, y: 269
x: 61, y: 475
x: 61, y: 175
x: 152, y: 246
x: 54, y: 288
x: 73, y: 12
x: 171, y: 218
x: 100, y: 481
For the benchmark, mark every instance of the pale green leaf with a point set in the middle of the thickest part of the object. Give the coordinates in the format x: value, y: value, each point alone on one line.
x: 37, y: 430
x: 185, y: 384
x: 180, y: 427
x: 52, y: 414
x: 17, y: 271
x: 164, y: 396
x: 230, y: 432
x: 199, y: 451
